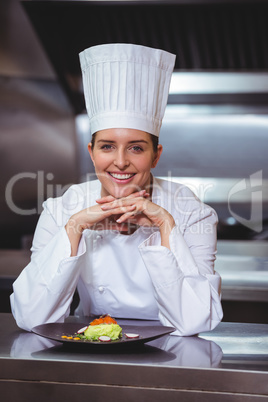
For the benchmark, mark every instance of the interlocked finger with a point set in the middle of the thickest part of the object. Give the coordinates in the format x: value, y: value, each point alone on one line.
x: 126, y: 216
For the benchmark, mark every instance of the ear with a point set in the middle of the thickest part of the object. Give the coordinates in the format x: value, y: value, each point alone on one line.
x: 157, y: 155
x: 89, y: 147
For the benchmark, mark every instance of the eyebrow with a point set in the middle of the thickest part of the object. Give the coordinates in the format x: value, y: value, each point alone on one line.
x: 130, y: 142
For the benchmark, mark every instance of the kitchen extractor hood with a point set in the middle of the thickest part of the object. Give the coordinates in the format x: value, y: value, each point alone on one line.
x: 207, y: 36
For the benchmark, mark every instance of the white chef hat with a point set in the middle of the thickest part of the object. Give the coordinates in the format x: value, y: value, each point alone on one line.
x: 126, y: 86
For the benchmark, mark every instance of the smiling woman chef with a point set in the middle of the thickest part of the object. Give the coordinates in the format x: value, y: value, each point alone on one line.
x: 133, y: 245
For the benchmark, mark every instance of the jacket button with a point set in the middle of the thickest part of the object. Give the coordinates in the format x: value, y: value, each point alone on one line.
x: 101, y: 289
x: 99, y: 237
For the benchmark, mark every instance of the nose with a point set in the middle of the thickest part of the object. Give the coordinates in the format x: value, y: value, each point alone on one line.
x: 121, y: 159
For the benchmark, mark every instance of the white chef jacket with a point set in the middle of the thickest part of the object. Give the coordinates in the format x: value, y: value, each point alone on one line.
x: 130, y: 276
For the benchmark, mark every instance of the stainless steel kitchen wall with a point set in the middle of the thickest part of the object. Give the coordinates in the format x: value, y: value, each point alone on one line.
x: 37, y: 130
x: 37, y: 153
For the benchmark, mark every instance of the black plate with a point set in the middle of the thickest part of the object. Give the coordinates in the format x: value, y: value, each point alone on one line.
x: 57, y: 330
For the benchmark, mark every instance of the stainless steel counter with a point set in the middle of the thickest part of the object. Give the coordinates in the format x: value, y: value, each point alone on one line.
x: 227, y: 364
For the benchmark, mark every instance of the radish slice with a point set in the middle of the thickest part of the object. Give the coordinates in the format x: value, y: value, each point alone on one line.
x: 80, y: 331
x: 132, y: 336
x: 104, y: 338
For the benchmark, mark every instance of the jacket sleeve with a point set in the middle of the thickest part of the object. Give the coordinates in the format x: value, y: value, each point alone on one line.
x: 44, y: 290
x: 187, y: 289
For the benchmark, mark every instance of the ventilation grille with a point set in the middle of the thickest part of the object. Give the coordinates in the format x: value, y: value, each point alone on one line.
x: 214, y: 36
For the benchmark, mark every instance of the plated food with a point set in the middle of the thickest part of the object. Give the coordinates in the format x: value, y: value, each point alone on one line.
x: 134, y: 333
x: 102, y: 329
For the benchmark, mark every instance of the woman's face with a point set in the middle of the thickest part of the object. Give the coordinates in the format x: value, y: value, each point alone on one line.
x: 123, y: 159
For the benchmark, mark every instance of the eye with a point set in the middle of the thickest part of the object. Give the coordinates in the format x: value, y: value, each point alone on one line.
x: 106, y: 147
x: 137, y: 148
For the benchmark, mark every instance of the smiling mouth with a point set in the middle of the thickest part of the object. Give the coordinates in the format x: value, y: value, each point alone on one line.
x: 121, y: 176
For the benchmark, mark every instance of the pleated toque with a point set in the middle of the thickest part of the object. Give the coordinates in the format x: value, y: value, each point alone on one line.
x: 126, y: 86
